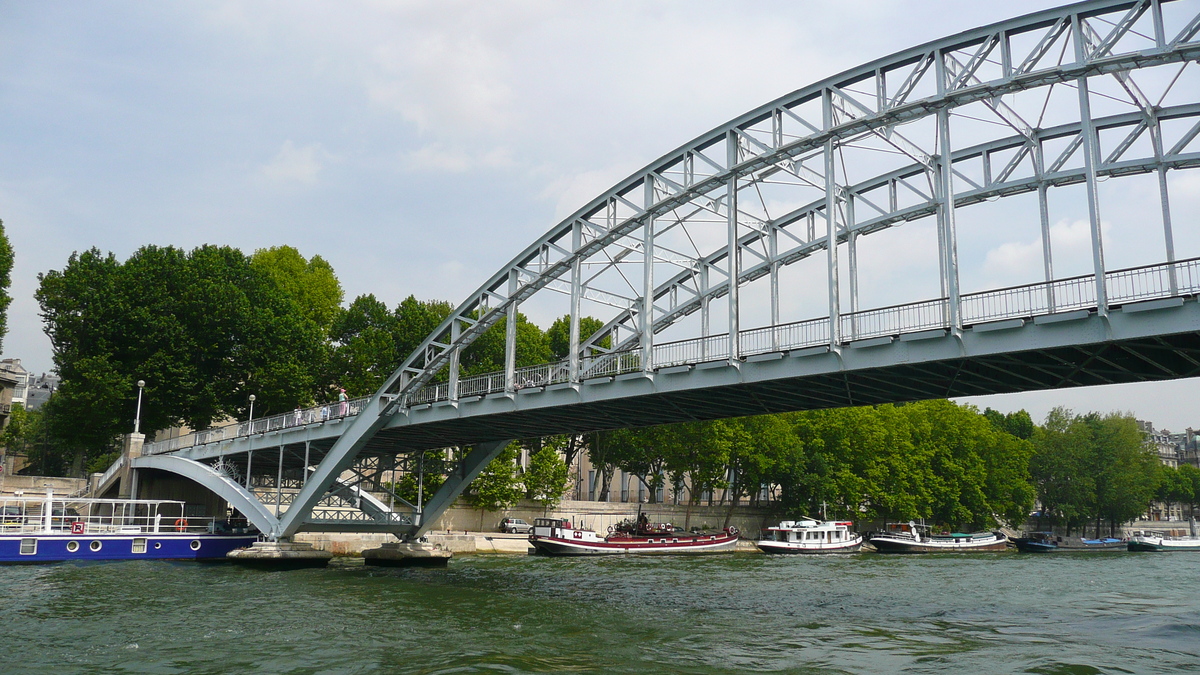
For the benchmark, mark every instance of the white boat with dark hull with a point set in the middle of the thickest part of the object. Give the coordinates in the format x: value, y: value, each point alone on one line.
x: 1157, y: 541
x: 911, y: 537
x: 810, y: 536
x: 56, y: 529
x: 558, y: 537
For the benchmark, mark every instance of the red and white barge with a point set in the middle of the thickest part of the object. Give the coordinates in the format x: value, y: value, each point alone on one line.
x: 556, y: 536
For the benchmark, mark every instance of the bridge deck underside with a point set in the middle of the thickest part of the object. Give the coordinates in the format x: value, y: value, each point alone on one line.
x: 1145, y: 359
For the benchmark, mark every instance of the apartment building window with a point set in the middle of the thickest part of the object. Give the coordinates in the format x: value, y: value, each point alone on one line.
x: 591, y: 485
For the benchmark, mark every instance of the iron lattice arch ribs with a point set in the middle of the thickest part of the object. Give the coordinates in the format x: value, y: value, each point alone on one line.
x: 920, y: 136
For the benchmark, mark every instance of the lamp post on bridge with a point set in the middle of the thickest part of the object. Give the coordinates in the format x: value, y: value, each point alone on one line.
x: 137, y: 417
x: 251, y: 420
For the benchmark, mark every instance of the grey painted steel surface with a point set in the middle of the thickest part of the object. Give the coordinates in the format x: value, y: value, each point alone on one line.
x: 1102, y: 327
x: 237, y: 496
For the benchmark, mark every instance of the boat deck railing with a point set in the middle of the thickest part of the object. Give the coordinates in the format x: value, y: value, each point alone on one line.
x: 85, y: 525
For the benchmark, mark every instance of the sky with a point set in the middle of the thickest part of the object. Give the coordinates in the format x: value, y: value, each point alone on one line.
x: 416, y: 146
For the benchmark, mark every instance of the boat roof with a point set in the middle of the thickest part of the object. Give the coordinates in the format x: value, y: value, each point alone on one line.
x: 89, y: 500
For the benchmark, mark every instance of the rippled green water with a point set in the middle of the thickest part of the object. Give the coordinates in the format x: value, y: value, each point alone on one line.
x: 1000, y: 613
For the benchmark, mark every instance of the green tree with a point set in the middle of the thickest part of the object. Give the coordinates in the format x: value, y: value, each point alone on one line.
x: 1018, y: 424
x: 415, y: 320
x: 364, y: 346
x: 1059, y: 466
x: 1190, y: 476
x: 6, y: 265
x: 558, y: 335
x: 1126, y: 469
x: 498, y: 486
x: 311, y: 284
x: 546, y: 479
x: 203, y: 329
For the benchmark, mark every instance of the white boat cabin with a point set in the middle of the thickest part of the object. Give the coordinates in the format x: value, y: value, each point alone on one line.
x: 811, y: 532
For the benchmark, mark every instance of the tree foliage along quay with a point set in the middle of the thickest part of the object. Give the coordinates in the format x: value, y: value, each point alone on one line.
x: 204, y: 329
x: 207, y: 328
x: 933, y: 459
x: 1093, y: 469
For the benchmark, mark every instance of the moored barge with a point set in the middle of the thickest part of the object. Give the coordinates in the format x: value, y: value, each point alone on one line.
x: 558, y: 537
x: 911, y: 537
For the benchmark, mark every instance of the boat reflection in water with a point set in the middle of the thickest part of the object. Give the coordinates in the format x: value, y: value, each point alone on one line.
x: 810, y: 536
x: 912, y: 537
x: 557, y: 536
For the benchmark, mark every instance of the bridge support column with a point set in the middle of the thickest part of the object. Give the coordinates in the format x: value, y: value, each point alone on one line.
x: 732, y: 251
x: 469, y: 467
x: 1087, y: 130
x: 510, y: 336
x: 949, y: 236
x: 1164, y: 200
x: 1039, y: 167
x: 646, y: 325
x: 576, y: 294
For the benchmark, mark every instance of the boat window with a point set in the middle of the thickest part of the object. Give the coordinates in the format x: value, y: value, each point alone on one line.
x: 195, y: 544
x: 28, y: 546
x: 139, y: 545
x: 95, y: 545
x: 72, y: 546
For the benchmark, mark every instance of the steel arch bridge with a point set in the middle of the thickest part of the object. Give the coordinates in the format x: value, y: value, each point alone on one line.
x: 695, y: 262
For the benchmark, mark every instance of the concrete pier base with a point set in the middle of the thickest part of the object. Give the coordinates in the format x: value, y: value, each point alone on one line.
x: 280, y: 555
x: 396, y: 554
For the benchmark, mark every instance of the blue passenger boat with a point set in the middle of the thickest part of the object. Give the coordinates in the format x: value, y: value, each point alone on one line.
x: 57, y: 529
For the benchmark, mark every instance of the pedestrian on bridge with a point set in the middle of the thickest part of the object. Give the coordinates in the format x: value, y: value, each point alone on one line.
x: 343, y: 403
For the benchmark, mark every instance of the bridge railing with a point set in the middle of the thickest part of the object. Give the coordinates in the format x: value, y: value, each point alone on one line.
x: 1062, y: 295
x: 894, y: 320
x: 112, y: 471
x: 795, y: 335
x: 1154, y: 281
x: 695, y: 350
x: 612, y: 363
x: 262, y: 425
x: 1147, y: 282
x: 480, y: 385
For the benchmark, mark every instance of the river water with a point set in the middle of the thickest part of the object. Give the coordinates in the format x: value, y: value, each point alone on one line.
x: 983, y: 613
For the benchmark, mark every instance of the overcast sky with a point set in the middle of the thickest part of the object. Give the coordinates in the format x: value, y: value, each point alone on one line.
x: 416, y: 146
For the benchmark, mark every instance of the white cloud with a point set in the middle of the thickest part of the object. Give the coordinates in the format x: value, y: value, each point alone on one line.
x: 445, y: 82
x: 438, y: 157
x: 1071, y: 249
x: 293, y: 164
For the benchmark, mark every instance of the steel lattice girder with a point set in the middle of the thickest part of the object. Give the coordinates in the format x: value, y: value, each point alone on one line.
x: 761, y: 144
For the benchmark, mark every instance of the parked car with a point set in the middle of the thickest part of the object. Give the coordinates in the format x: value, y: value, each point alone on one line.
x: 515, y: 526
x: 12, y: 515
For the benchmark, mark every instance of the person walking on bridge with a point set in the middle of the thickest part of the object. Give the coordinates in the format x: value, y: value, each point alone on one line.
x: 343, y: 403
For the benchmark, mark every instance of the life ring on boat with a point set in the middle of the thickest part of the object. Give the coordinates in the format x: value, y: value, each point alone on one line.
x: 732, y: 530
x: 181, y: 525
